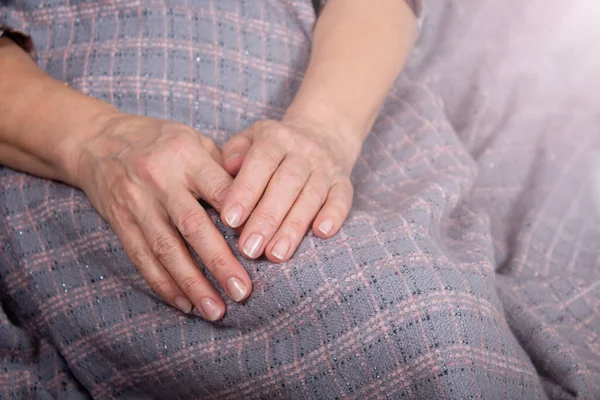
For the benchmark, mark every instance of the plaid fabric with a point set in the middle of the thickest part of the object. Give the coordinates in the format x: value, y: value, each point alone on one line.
x: 468, y: 267
x: 415, y: 5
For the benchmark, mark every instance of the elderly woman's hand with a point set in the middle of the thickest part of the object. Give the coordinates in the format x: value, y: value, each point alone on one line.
x: 145, y: 176
x: 289, y: 175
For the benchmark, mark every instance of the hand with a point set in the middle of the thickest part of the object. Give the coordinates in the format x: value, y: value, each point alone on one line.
x: 145, y: 176
x: 289, y: 174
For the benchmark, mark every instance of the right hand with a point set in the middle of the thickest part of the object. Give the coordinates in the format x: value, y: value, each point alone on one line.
x: 145, y: 176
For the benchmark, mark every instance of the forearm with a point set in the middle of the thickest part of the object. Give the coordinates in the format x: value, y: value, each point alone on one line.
x: 359, y: 48
x: 41, y: 119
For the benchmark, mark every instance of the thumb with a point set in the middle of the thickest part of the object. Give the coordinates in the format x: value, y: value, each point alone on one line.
x: 235, y: 150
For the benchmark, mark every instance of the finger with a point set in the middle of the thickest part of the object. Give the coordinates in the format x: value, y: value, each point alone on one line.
x: 169, y: 249
x: 335, y: 211
x: 200, y: 232
x: 298, y: 220
x: 149, y: 267
x: 235, y: 151
x: 250, y: 183
x: 209, y: 181
x: 281, y: 194
x: 212, y: 149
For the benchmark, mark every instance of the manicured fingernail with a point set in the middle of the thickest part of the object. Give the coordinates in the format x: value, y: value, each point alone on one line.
x: 234, y: 215
x: 237, y: 289
x: 233, y: 157
x: 281, y: 249
x: 326, y: 226
x: 183, y: 304
x: 211, y: 310
x: 252, y: 245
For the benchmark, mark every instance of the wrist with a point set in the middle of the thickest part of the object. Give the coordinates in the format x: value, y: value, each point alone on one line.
x: 90, y: 121
x: 43, y: 121
x: 348, y: 133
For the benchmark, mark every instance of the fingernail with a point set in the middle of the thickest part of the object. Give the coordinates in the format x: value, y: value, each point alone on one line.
x: 326, y: 226
x: 234, y: 215
x: 281, y: 249
x: 211, y: 310
x: 237, y: 289
x: 183, y: 304
x: 252, y: 245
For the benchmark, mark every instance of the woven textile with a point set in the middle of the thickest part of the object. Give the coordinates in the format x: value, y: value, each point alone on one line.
x: 468, y: 267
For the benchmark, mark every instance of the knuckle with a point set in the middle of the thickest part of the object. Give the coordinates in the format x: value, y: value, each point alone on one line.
x: 165, y: 247
x: 191, y: 224
x: 338, y: 170
x: 150, y: 170
x: 267, y: 218
x: 161, y: 285
x: 316, y: 194
x: 217, y: 263
x: 311, y: 147
x: 127, y: 193
x: 217, y: 189
x: 259, y: 125
x: 181, y: 146
x: 208, y: 144
x: 147, y: 168
x: 253, y: 191
x: 141, y: 259
x: 190, y: 284
x: 212, y: 150
x: 290, y: 180
x: 298, y: 226
x: 323, y: 161
x: 348, y: 189
x: 281, y: 133
x: 338, y: 210
x: 270, y: 153
x: 350, y: 192
x: 340, y: 206
x: 265, y: 126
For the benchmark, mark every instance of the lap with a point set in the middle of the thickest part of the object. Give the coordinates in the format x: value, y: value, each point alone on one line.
x: 390, y: 306
x: 403, y: 301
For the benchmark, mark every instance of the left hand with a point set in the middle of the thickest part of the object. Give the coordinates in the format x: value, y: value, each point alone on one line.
x: 289, y: 174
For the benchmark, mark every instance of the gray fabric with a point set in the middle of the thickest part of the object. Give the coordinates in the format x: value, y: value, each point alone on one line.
x: 468, y: 267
